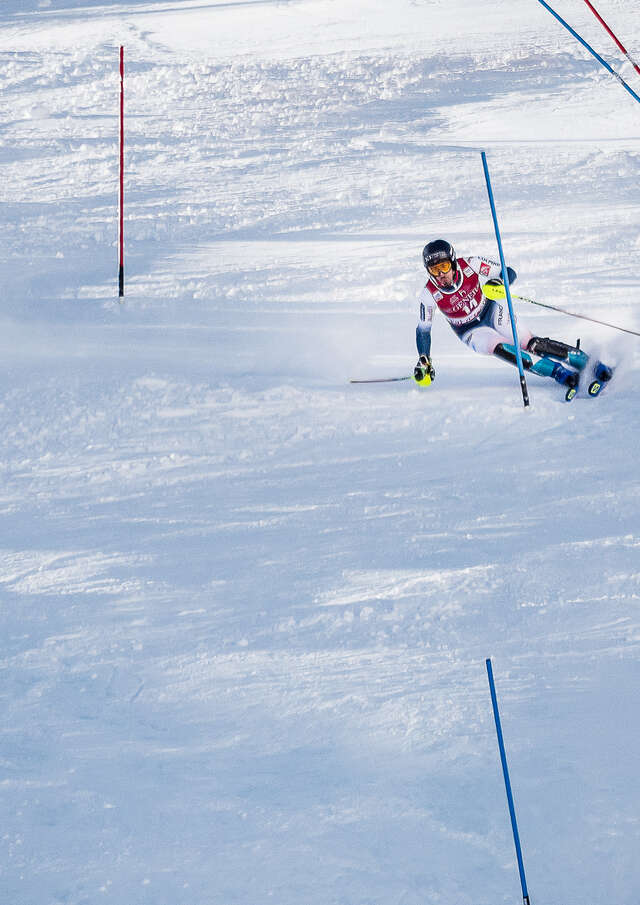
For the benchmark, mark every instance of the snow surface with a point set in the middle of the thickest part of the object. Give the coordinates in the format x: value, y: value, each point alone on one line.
x: 246, y: 605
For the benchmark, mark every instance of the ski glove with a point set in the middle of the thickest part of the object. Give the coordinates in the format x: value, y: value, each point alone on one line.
x: 498, y: 281
x: 424, y: 372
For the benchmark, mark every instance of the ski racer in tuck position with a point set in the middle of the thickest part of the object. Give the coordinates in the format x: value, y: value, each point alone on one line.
x: 455, y: 286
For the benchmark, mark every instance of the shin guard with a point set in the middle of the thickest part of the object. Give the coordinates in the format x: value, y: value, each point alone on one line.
x: 543, y: 345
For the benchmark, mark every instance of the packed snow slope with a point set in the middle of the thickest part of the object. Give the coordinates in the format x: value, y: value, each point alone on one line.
x: 246, y: 605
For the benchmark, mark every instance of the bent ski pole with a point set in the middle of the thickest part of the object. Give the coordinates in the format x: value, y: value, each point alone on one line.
x: 495, y: 292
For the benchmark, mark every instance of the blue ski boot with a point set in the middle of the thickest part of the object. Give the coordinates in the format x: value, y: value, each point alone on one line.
x: 544, y: 367
x: 566, y: 378
x: 602, y: 374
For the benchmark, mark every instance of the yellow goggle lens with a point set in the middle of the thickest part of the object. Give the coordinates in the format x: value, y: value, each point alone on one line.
x: 440, y: 267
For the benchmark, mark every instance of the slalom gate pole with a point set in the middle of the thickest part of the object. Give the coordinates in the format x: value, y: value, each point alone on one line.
x: 507, y: 784
x: 609, y: 31
x: 591, y: 51
x: 121, y: 197
x: 505, y: 280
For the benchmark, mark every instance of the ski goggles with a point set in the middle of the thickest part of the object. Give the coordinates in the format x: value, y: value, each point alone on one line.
x: 440, y: 267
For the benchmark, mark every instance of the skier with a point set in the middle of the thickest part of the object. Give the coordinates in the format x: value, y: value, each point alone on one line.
x: 455, y: 287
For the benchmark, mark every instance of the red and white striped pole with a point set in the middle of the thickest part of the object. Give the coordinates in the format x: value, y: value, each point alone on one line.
x: 608, y: 30
x: 593, y: 52
x: 121, y: 201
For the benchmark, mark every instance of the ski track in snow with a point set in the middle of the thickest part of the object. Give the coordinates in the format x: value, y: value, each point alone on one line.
x: 246, y: 606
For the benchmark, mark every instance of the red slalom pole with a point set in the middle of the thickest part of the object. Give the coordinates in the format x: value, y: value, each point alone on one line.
x: 121, y: 249
x: 593, y: 52
x: 608, y: 30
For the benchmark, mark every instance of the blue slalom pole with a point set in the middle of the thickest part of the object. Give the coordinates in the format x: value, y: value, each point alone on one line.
x: 591, y: 50
x: 505, y: 280
x: 507, y: 784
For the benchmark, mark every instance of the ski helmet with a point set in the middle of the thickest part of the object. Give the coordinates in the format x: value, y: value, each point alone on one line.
x: 439, y: 250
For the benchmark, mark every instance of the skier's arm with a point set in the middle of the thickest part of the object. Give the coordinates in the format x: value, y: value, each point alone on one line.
x: 490, y: 270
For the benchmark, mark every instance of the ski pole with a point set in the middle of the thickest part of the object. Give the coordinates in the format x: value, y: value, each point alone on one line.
x: 507, y: 784
x: 498, y: 292
x: 381, y: 380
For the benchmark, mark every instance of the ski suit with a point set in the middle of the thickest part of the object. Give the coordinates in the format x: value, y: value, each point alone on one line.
x: 478, y: 321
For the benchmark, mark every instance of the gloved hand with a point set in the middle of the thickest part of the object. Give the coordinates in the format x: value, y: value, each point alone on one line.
x: 498, y: 281
x: 494, y: 289
x: 424, y: 372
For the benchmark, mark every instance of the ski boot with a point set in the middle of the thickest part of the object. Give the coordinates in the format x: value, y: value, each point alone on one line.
x: 576, y: 358
x: 553, y: 348
x: 424, y: 372
x: 544, y: 367
x: 565, y: 377
x: 602, y: 374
